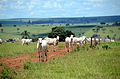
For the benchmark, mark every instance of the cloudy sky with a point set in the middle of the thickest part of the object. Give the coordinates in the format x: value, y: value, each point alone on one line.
x: 58, y: 8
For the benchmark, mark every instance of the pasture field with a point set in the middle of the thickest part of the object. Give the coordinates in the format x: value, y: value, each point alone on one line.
x: 86, y: 63
x: 15, y: 49
x: 112, y: 31
x: 11, y: 32
x: 78, y: 31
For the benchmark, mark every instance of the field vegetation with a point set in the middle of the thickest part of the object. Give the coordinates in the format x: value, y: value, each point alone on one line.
x: 86, y: 63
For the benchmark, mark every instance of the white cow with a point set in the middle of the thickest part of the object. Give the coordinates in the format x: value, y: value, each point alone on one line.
x: 109, y: 40
x: 42, y: 48
x: 68, y: 41
x: 52, y: 41
x: 80, y: 40
x: 26, y: 41
x: 1, y: 41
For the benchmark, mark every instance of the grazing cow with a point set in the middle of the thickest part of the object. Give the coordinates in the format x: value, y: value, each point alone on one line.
x: 109, y: 40
x: 53, y: 41
x: 26, y: 41
x: 1, y: 41
x: 68, y: 41
x: 42, y: 49
x: 80, y: 40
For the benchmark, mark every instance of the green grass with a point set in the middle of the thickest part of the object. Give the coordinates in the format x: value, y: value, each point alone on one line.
x: 109, y: 30
x: 16, y: 49
x: 11, y: 32
x: 84, y: 64
x: 78, y: 31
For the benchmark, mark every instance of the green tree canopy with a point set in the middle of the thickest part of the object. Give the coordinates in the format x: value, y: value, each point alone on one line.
x: 25, y: 34
x: 61, y: 32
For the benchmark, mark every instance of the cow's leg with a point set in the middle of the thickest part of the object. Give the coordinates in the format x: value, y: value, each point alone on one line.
x: 46, y: 54
x: 39, y: 54
x: 66, y: 47
x: 43, y: 52
x: 69, y: 47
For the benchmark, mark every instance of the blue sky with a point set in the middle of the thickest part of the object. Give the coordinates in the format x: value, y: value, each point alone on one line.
x: 58, y: 8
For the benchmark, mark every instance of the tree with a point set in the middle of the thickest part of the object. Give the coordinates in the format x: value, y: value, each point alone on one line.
x: 103, y: 23
x: 18, y: 30
x: 0, y: 25
x: 29, y: 22
x: 67, y: 24
x: 61, y: 32
x: 108, y: 37
x: 14, y: 25
x: 1, y: 30
x: 25, y: 34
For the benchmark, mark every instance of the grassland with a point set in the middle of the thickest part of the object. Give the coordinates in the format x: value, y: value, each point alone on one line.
x: 83, y: 64
x: 12, y: 32
x: 112, y: 31
x: 86, y: 63
x: 15, y: 49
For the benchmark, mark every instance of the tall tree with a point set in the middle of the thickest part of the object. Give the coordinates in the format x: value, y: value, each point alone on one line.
x: 1, y: 30
x: 18, y: 30
x: 61, y: 32
x: 0, y: 25
x: 25, y: 34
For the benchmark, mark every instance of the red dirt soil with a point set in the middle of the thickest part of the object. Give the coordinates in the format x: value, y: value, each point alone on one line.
x: 18, y: 61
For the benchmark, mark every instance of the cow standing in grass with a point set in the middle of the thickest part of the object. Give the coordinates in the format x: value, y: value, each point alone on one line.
x: 42, y: 49
x: 26, y: 41
x: 1, y: 41
x: 79, y: 41
x: 53, y: 41
x: 68, y: 41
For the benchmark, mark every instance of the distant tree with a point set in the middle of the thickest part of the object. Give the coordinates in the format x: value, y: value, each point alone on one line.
x: 118, y: 28
x: 93, y: 29
x: 0, y: 25
x: 68, y: 33
x: 67, y: 24
x: 1, y: 30
x: 29, y: 22
x: 108, y: 37
x: 25, y: 34
x: 83, y: 33
x: 79, y: 34
x: 14, y: 25
x: 61, y: 32
x: 103, y: 23
x: 18, y: 30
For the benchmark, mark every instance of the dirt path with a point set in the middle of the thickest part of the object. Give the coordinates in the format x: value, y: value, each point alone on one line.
x: 18, y: 61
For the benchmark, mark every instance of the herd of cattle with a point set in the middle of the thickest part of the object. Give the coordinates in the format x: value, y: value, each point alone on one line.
x: 42, y: 43
x: 71, y: 39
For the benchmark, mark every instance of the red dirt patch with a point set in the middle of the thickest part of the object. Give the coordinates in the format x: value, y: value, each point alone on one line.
x: 18, y: 61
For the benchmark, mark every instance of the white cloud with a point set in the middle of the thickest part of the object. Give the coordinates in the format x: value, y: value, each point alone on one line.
x: 69, y: 4
x: 18, y: 5
x: 32, y: 4
x: 52, y: 5
x: 95, y: 0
